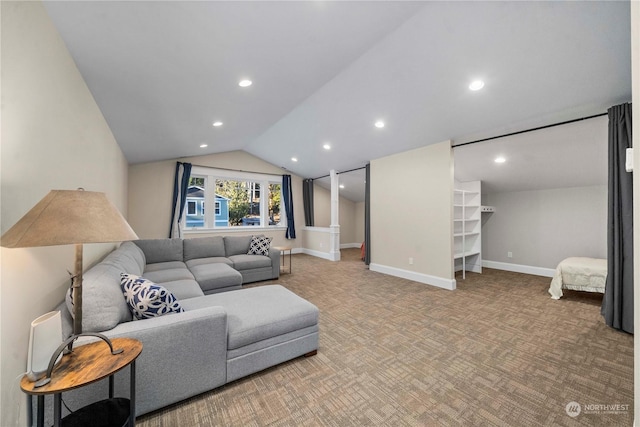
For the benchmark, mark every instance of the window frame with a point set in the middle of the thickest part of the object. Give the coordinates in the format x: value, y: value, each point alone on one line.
x: 211, y: 175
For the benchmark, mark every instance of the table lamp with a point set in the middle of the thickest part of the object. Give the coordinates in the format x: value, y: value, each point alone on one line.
x: 66, y: 217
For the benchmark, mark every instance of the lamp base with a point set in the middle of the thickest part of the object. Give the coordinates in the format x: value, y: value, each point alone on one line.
x: 69, y: 343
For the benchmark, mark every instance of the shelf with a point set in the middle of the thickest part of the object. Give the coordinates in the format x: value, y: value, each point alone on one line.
x: 105, y: 413
x: 470, y: 233
x: 467, y: 230
x: 461, y: 255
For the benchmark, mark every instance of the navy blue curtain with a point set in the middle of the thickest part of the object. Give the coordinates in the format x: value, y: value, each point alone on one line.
x: 180, y: 187
x: 617, y: 304
x: 288, y: 206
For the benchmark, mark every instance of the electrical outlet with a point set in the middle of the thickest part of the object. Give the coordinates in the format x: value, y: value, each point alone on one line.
x: 321, y: 244
x: 410, y: 261
x: 509, y: 254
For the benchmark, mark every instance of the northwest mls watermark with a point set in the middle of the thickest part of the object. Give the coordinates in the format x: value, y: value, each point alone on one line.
x: 573, y: 409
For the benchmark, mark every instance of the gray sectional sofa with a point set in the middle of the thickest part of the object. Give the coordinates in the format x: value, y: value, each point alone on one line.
x: 224, y: 333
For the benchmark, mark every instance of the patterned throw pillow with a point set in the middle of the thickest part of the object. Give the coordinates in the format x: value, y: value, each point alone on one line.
x: 259, y: 245
x: 146, y: 299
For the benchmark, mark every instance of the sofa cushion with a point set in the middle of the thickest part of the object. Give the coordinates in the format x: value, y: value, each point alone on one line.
x: 147, y: 299
x: 236, y: 245
x: 103, y: 307
x: 204, y: 247
x: 129, y: 258
x: 216, y: 276
x: 198, y: 261
x: 259, y: 313
x: 164, y: 266
x: 161, y: 250
x: 183, y: 289
x: 247, y: 262
x: 169, y: 275
x: 259, y: 245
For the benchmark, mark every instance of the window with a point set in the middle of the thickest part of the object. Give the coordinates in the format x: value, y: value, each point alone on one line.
x: 234, y: 199
x: 191, y: 207
x: 275, y: 193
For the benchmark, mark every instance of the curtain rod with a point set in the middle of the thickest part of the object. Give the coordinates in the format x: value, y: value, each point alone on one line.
x: 234, y: 170
x: 350, y: 170
x: 530, y: 130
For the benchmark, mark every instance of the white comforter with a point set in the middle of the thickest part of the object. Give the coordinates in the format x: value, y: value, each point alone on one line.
x: 579, y: 274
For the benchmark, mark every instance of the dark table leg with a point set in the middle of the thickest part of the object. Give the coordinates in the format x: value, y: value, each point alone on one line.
x: 57, y: 409
x: 132, y: 397
x: 40, y: 420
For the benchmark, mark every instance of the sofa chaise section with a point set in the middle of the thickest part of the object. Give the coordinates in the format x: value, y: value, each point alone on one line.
x: 266, y: 325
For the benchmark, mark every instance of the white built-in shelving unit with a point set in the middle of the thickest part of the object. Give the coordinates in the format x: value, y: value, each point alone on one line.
x: 467, y: 227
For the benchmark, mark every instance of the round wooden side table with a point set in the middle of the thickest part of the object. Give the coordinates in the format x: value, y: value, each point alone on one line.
x: 87, y: 364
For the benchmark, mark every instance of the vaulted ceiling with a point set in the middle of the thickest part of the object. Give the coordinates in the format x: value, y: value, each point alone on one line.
x: 324, y: 71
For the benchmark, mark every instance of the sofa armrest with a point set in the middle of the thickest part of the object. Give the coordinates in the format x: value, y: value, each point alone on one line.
x: 183, y: 354
x: 275, y: 263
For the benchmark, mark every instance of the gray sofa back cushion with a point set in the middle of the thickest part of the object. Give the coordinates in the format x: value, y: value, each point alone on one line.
x: 204, y: 247
x: 161, y: 250
x: 103, y: 305
x: 236, y: 245
x: 128, y: 257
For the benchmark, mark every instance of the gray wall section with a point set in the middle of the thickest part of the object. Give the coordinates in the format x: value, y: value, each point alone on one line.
x: 543, y: 227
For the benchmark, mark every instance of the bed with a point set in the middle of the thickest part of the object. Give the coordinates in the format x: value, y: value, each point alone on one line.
x: 579, y: 274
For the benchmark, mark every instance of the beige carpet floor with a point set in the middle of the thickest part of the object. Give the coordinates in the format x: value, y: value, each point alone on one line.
x: 498, y: 351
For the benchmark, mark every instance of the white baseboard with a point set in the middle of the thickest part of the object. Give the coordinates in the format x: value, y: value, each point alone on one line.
x: 323, y: 255
x: 350, y: 245
x: 517, y: 268
x: 427, y: 279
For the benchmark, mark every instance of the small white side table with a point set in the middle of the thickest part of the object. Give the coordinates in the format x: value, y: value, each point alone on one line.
x: 283, y: 251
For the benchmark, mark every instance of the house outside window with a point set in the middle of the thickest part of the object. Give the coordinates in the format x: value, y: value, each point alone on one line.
x: 233, y: 199
x: 191, y: 207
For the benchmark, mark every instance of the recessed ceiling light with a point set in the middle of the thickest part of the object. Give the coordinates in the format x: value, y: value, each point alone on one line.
x: 204, y: 145
x: 327, y: 146
x: 294, y: 159
x: 379, y: 124
x: 500, y: 159
x: 217, y: 123
x: 245, y: 83
x: 476, y: 85
x: 341, y: 186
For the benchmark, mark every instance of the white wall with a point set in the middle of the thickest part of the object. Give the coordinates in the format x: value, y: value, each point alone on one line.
x: 347, y: 214
x: 321, y: 206
x: 412, y: 214
x: 359, y: 222
x: 53, y: 137
x: 543, y: 227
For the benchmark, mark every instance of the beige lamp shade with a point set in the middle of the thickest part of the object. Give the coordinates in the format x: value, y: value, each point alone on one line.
x: 66, y: 217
